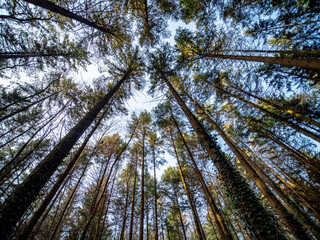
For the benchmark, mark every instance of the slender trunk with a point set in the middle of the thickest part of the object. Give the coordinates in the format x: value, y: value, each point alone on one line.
x: 36, y: 216
x: 180, y: 216
x: 292, y: 223
x: 285, y: 61
x: 302, y: 52
x: 186, y: 188
x: 252, y: 212
x: 27, y: 192
x: 296, y: 153
x: 277, y: 117
x: 125, y: 212
x: 26, y: 107
x: 142, y: 189
x: 132, y: 203
x: 29, y: 55
x: 222, y: 227
x: 302, y: 216
x: 155, y: 195
x: 62, y: 11
x: 279, y: 108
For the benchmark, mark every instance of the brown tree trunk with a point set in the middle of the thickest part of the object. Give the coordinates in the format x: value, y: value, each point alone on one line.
x: 180, y: 215
x: 258, y: 220
x: 132, y: 203
x: 64, y: 12
x: 125, y: 212
x: 95, y: 207
x: 155, y: 195
x: 279, y: 108
x: 222, y: 227
x: 285, y: 61
x: 186, y: 188
x: 15, y: 206
x: 142, y: 189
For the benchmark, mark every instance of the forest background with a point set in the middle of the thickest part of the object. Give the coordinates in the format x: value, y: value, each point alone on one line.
x: 235, y: 104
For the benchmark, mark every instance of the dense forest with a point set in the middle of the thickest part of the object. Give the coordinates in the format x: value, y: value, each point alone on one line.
x: 230, y: 149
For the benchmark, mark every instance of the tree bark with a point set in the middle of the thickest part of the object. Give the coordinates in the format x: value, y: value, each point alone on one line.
x: 132, y: 203
x: 155, y: 194
x: 142, y: 188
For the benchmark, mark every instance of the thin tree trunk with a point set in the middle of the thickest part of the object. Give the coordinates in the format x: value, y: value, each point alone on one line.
x: 155, y: 194
x: 292, y: 223
x: 222, y: 227
x: 142, y: 188
x: 125, y: 212
x: 180, y: 216
x: 26, y: 107
x: 186, y: 188
x: 15, y: 206
x: 62, y: 11
x: 258, y: 220
x: 306, y: 202
x: 132, y: 203
x: 69, y: 200
x: 279, y: 108
x: 285, y: 61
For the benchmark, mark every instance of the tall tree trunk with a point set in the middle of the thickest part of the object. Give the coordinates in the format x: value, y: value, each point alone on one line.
x: 222, y: 227
x: 142, y: 189
x: 15, y: 206
x: 292, y: 223
x: 285, y: 61
x: 36, y: 216
x: 252, y: 212
x: 180, y: 215
x: 155, y: 194
x: 125, y: 212
x: 186, y: 188
x: 69, y: 200
x: 64, y: 12
x: 132, y: 202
